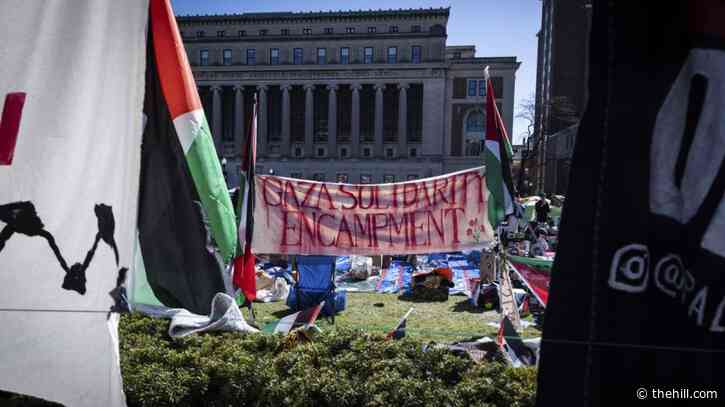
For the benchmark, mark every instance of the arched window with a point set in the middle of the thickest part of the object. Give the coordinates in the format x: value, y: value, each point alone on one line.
x: 473, y: 133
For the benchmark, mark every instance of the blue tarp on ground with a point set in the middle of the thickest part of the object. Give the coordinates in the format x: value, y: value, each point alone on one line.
x: 397, y: 278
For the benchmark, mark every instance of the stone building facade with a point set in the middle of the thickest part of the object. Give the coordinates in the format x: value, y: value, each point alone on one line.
x: 357, y: 96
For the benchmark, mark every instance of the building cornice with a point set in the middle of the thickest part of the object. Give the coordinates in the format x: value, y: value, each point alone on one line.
x: 311, y: 16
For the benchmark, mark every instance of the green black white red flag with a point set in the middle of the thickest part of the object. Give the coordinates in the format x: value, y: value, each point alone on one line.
x: 185, y: 212
x: 497, y: 157
x: 244, y: 275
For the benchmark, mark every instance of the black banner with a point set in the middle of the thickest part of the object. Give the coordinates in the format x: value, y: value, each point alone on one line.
x: 638, y: 287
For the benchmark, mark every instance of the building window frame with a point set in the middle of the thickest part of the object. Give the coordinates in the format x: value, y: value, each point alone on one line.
x: 298, y: 56
x: 350, y: 30
x: 220, y: 33
x: 298, y: 151
x: 342, y: 178
x: 329, y: 30
x: 320, y: 152
x: 263, y: 32
x: 345, y: 55
x: 412, y: 177
x: 388, y: 178
x: 416, y: 54
x: 392, y: 55
x: 413, y: 152
x: 472, y: 88
x: 366, y: 179
x: 242, y: 33
x: 368, y: 58
x: 284, y: 32
x: 204, y: 57
x: 251, y: 56
x: 372, y: 30
x: 393, y: 29
x: 343, y: 152
x: 321, y: 56
x: 274, y: 56
x: 319, y: 177
x: 200, y: 34
x: 307, y: 31
x: 415, y: 28
x: 227, y: 56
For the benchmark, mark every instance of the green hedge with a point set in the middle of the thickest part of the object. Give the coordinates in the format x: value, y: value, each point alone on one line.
x: 338, y: 368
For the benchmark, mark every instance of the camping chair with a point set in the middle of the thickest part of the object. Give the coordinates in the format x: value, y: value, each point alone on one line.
x: 316, y: 283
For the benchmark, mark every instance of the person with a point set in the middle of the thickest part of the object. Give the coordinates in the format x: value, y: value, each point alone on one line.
x: 541, y: 246
x: 542, y: 210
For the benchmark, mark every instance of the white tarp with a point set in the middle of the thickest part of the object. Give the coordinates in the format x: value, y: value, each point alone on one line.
x: 81, y: 64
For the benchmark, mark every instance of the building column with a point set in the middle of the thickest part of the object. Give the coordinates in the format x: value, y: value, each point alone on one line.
x: 262, y: 121
x: 355, y: 120
x: 216, y: 119
x: 379, y: 87
x: 239, y: 118
x: 285, y: 150
x: 403, y: 120
x: 332, y: 121
x: 309, y: 120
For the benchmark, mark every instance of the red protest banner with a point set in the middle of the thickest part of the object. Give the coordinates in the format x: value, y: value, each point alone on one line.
x: 445, y: 213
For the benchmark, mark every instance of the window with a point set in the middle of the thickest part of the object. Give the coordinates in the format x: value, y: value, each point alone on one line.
x: 368, y: 57
x: 345, y: 55
x: 415, y: 54
x: 389, y: 152
x: 412, y: 177
x: 297, y: 152
x: 329, y: 30
x: 413, y: 152
x: 318, y: 176
x: 251, y: 56
x: 388, y: 178
x: 297, y: 56
x: 220, y: 33
x: 284, y: 31
x: 227, y: 57
x: 392, y: 55
x: 367, y: 152
x: 204, y: 57
x: 482, y: 88
x: 307, y: 31
x: 274, y: 56
x: 372, y: 30
x: 262, y: 33
x: 457, y: 55
x: 242, y: 33
x: 474, y: 122
x: 200, y: 34
x: 393, y: 28
x: 296, y: 175
x: 320, y: 151
x: 350, y: 30
x: 415, y: 29
x: 343, y: 152
x: 366, y: 179
x: 472, y: 83
x: 321, y: 56
x: 341, y: 178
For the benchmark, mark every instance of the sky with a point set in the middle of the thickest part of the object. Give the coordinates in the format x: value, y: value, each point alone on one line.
x: 496, y: 28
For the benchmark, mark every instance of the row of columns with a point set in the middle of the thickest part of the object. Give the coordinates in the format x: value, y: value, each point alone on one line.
x: 309, y: 118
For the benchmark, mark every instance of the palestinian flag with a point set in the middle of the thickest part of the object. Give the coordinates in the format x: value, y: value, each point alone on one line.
x: 244, y: 274
x: 498, y: 155
x: 399, y: 331
x: 303, y: 319
x: 511, y: 345
x: 185, y: 212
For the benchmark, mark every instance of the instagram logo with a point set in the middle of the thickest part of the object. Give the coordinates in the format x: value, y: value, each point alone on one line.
x: 630, y: 268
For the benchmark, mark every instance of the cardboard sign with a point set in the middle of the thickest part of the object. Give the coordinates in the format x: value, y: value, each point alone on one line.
x: 439, y: 214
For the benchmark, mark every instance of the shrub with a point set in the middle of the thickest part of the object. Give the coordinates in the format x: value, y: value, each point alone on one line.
x: 339, y: 367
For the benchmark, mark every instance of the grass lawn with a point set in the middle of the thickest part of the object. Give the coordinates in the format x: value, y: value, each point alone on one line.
x: 448, y: 321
